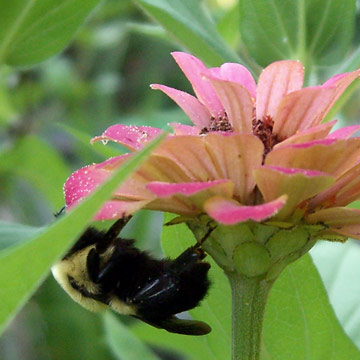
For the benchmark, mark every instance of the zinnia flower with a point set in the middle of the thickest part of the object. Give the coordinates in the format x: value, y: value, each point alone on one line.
x: 255, y: 152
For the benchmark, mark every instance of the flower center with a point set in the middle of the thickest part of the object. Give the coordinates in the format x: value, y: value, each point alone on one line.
x: 263, y: 129
x: 221, y: 123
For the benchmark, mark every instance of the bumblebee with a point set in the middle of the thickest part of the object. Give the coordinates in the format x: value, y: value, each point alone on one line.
x: 103, y: 270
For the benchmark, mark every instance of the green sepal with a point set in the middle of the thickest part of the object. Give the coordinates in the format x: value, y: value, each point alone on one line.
x: 251, y: 259
x: 285, y: 242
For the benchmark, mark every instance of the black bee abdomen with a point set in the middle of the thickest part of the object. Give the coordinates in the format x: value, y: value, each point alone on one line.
x: 111, y: 270
x: 180, y: 287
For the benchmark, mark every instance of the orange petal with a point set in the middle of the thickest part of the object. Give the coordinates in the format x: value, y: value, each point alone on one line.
x: 345, y: 190
x: 329, y: 155
x: 188, y: 199
x: 336, y: 216
x: 237, y: 103
x: 190, y: 154
x: 276, y: 81
x: 301, y: 110
x: 297, y: 184
x: 235, y: 156
x: 316, y: 133
x: 351, y: 231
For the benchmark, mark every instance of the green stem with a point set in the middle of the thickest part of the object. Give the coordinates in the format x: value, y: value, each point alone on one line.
x: 249, y: 297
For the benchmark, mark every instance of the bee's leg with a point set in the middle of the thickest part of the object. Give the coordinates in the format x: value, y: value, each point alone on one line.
x: 206, y: 236
x: 93, y: 265
x: 112, y: 233
x: 116, y: 228
x: 105, y: 276
x: 190, y: 256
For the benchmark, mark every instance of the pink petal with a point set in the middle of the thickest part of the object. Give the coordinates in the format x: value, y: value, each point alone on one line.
x: 336, y: 216
x: 345, y: 190
x: 191, y: 106
x: 157, y: 168
x: 193, y: 69
x: 301, y: 110
x: 238, y: 73
x: 162, y: 189
x: 297, y: 184
x: 235, y: 156
x: 315, y: 133
x: 344, y: 133
x: 230, y: 212
x: 276, y: 81
x: 237, y: 103
x: 132, y: 137
x: 180, y: 129
x: 116, y: 209
x: 341, y: 82
x: 85, y: 180
x: 329, y: 155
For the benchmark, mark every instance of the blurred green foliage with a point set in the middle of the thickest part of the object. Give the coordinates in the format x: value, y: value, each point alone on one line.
x: 49, y: 112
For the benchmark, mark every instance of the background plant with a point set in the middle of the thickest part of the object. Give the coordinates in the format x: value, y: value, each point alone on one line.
x: 67, y: 72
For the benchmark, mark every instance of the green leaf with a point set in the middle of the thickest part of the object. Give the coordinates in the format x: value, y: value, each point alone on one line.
x: 329, y: 29
x: 191, y: 26
x: 299, y: 321
x: 216, y: 307
x: 191, y: 346
x: 226, y: 25
x: 23, y: 267
x: 350, y: 63
x: 33, y: 30
x: 338, y: 265
x: 13, y: 234
x: 313, y: 31
x: 35, y: 161
x: 124, y: 344
x: 8, y: 111
x: 83, y: 138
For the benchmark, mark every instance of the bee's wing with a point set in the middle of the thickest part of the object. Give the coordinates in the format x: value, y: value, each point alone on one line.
x: 179, y: 326
x: 158, y: 291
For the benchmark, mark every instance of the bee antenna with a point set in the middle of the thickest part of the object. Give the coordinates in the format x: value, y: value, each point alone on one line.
x: 116, y: 228
x: 60, y: 212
